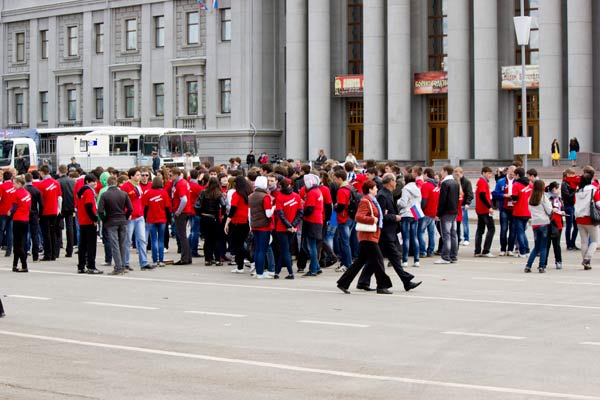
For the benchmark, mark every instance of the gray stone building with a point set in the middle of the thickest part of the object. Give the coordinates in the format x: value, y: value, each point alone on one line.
x: 386, y: 79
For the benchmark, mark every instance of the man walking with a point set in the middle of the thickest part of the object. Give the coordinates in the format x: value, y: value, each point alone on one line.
x: 446, y: 214
x: 485, y: 213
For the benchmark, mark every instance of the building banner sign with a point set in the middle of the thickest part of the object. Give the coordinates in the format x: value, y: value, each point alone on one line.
x: 349, y: 86
x: 511, y: 77
x: 431, y: 82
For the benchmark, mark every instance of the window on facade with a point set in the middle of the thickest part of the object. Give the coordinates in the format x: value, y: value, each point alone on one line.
x: 73, y: 43
x: 99, y: 102
x: 532, y: 51
x: 193, y: 28
x: 192, y: 98
x: 99, y: 32
x: 72, y: 104
x: 226, y: 24
x: 159, y: 31
x: 129, y: 101
x: 131, y: 34
x: 44, y: 106
x: 20, y: 50
x: 355, y: 37
x: 44, y: 44
x: 437, y: 34
x: 159, y: 99
x: 19, y: 108
x: 225, y: 96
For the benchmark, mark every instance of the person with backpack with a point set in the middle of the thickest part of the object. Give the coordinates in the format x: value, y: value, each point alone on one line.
x: 346, y: 203
x: 586, y: 198
x: 540, y: 210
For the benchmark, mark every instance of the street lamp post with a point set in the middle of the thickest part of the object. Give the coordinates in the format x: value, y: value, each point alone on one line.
x: 522, y: 29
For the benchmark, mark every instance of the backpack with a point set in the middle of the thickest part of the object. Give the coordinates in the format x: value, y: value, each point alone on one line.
x: 355, y: 198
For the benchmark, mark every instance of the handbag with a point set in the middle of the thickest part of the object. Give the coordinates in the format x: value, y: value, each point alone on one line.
x: 594, y: 212
x: 360, y: 227
x: 554, y: 231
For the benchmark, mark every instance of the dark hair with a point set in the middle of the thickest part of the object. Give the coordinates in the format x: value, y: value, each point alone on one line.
x: 132, y: 171
x: 268, y: 168
x: 349, y: 166
x: 284, y: 184
x: 194, y: 174
x: 485, y: 170
x: 242, y: 188
x: 213, y: 191
x: 532, y: 171
x: 325, y: 178
x: 520, y: 172
x: 28, y: 177
x: 553, y: 185
x: 408, y: 178
x: 449, y: 169
x: 341, y: 174
x: 45, y: 169
x: 368, y: 185
x: 111, y: 181
x: 586, y: 179
x: 537, y: 193
x: 372, y: 171
x: 157, y: 183
x: 35, y: 174
x: 418, y: 170
x: 90, y: 178
x: 429, y: 172
x: 7, y: 175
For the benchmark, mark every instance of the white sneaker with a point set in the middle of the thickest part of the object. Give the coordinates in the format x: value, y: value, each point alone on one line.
x: 465, y: 243
x: 264, y: 276
x: 510, y: 253
x: 442, y: 261
x: 341, y: 268
x: 488, y: 255
x: 237, y: 271
x: 105, y: 264
x: 416, y: 264
x: 252, y: 268
x: 253, y: 274
x: 166, y: 250
x: 404, y: 264
x: 517, y: 254
x: 269, y: 273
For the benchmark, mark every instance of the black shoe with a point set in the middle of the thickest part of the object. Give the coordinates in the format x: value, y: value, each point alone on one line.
x: 527, y: 270
x: 365, y: 288
x: 128, y: 268
x: 23, y: 270
x: 319, y: 272
x: 68, y: 255
x: 217, y: 264
x: 46, y: 259
x: 207, y: 263
x: 309, y: 274
x: 115, y: 272
x: 331, y: 262
x: 343, y: 289
x: 275, y: 276
x: 411, y: 285
x: 147, y: 267
x: 8, y: 254
x: 541, y: 270
x: 80, y: 271
x: 289, y: 277
x: 15, y: 269
x: 384, y: 291
x: 181, y: 262
x: 94, y: 271
x: 300, y: 270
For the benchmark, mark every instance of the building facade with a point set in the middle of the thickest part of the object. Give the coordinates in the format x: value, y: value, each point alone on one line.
x: 386, y: 79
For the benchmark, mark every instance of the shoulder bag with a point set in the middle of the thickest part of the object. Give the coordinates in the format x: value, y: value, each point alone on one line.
x: 594, y: 212
x: 360, y: 227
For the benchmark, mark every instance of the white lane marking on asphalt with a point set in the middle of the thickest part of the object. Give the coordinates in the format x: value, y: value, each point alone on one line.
x: 307, y: 321
x: 486, y: 335
x: 18, y: 296
x: 96, y: 303
x: 579, y: 283
x: 511, y: 303
x: 294, y: 368
x: 217, y: 314
x: 482, y: 278
x: 591, y: 343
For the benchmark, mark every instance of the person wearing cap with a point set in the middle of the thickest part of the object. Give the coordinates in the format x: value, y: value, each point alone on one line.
x: 74, y: 164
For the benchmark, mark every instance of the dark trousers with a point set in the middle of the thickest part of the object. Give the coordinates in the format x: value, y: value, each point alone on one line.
x: 368, y: 253
x: 285, y: 256
x: 20, y: 243
x: 239, y: 233
x: 50, y: 232
x: 181, y: 227
x: 484, y: 221
x: 555, y: 242
x: 107, y: 247
x: 6, y: 232
x: 69, y: 225
x: 34, y: 235
x: 571, y: 230
x: 390, y: 250
x: 1, y: 308
x: 210, y: 231
x: 87, y: 247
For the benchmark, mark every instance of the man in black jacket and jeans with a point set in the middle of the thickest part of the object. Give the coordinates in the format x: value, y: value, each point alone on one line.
x: 467, y: 189
x: 446, y: 214
x: 67, y: 210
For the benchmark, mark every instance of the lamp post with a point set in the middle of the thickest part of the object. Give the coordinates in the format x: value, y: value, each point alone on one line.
x: 522, y: 29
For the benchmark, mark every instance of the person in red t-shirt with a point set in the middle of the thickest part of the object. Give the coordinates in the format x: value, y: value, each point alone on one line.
x: 553, y: 190
x: 195, y: 190
x: 430, y: 195
x: 522, y: 189
x: 237, y: 221
x: 7, y: 193
x: 312, y: 227
x: 157, y: 212
x: 51, y: 196
x: 145, y: 181
x: 344, y: 221
x: 288, y: 208
x: 19, y: 212
x: 136, y: 226
x: 182, y: 209
x: 87, y: 216
x: 485, y: 214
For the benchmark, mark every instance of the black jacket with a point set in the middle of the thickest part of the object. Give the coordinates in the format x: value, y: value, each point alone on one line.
x: 68, y: 200
x: 22, y: 166
x: 568, y: 194
x: 390, y: 211
x: 37, y: 204
x: 115, y: 207
x: 467, y: 189
x: 212, y: 207
x: 449, y: 194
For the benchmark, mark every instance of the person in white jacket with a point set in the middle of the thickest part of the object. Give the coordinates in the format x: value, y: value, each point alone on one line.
x: 541, y: 210
x: 410, y: 213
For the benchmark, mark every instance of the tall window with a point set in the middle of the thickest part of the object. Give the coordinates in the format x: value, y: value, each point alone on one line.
x: 438, y: 34
x: 20, y: 38
x: 131, y: 34
x: 99, y: 102
x: 129, y: 101
x: 44, y: 44
x: 355, y: 37
x: 159, y: 99
x: 19, y: 108
x: 532, y: 52
x: 193, y: 28
x: 226, y: 24
x: 99, y: 32
x: 72, y: 104
x: 192, y: 98
x: 44, y: 106
x: 73, y: 41
x: 159, y: 31
x: 225, y: 96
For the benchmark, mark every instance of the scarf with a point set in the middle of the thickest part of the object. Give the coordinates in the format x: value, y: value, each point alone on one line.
x: 380, y: 219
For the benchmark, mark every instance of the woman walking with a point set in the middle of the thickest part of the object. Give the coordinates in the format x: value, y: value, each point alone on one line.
x: 369, y: 220
x: 555, y: 153
x: 585, y: 196
x: 20, y: 215
x: 541, y: 210
x: 209, y: 207
x: 157, y: 206
x: 410, y: 212
x: 237, y: 221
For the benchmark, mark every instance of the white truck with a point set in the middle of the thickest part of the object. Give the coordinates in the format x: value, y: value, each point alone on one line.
x: 15, y: 142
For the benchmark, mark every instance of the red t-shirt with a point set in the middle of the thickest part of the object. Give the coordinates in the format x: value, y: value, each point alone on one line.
x: 431, y: 193
x: 22, y: 198
x: 88, y: 197
x: 459, y: 216
x: 135, y: 195
x: 482, y: 186
x: 241, y: 209
x: 314, y: 198
x: 182, y: 188
x: 98, y: 187
x: 508, y: 203
x: 290, y: 204
x: 521, y: 206
x: 145, y: 187
x: 267, y: 205
x: 78, y: 185
x: 195, y: 190
x: 7, y: 192
x: 156, y: 200
x: 587, y: 220
x: 557, y: 218
x: 50, y: 193
x: 343, y: 197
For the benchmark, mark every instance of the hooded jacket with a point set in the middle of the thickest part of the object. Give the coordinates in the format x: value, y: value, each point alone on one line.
x: 411, y: 195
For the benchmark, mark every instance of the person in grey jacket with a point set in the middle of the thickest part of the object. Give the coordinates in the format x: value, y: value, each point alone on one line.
x: 410, y: 213
x: 541, y: 210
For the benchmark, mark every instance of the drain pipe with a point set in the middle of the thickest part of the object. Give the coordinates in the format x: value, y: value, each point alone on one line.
x: 253, y: 134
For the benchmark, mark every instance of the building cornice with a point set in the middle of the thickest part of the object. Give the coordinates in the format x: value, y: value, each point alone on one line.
x: 125, y: 67
x: 184, y: 62
x: 68, y: 72
x: 15, y: 77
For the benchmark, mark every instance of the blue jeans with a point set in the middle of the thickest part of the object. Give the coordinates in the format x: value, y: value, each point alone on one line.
x: 270, y: 259
x: 449, y: 237
x: 409, y: 238
x: 285, y: 256
x: 329, y: 235
x: 571, y: 229
x: 465, y: 223
x: 261, y: 245
x: 427, y: 224
x: 312, y: 250
x: 520, y: 228
x: 137, y: 227
x: 345, y: 252
x: 507, y: 231
x: 540, y: 247
x: 6, y: 226
x: 194, y: 234
x: 157, y: 241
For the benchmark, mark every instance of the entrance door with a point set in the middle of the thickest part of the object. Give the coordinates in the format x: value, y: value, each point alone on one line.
x: 355, y: 128
x: 533, y: 122
x: 438, y: 127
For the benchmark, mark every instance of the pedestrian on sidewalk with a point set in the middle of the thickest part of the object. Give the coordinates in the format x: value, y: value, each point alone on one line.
x: 556, y: 223
x: 485, y: 214
x: 555, y: 153
x: 584, y: 198
x: 541, y: 210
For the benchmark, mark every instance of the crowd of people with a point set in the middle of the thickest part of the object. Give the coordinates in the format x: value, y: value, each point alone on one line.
x: 320, y: 214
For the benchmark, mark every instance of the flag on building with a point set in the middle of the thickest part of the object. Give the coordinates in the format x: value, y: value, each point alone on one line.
x: 201, y: 5
x: 416, y: 212
x: 215, y: 4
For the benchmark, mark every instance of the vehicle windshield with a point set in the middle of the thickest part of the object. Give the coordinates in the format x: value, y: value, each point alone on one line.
x: 6, y: 147
x: 176, y: 145
x: 150, y: 144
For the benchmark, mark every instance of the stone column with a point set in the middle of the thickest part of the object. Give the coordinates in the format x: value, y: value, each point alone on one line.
x: 145, y: 86
x: 319, y: 77
x: 53, y: 89
x: 78, y: 100
x: 86, y: 95
x: 459, y: 91
x: 170, y: 87
x: 375, y: 77
x: 33, y: 87
x: 399, y: 80
x: 181, y: 96
x: 109, y: 85
x: 212, y: 79
x: 10, y: 106
x: 551, y: 88
x: 296, y: 94
x: 136, y: 99
x: 485, y: 38
x: 580, y: 64
x: 120, y: 112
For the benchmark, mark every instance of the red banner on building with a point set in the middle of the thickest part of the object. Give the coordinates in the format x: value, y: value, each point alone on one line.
x: 431, y: 82
x: 349, y: 86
